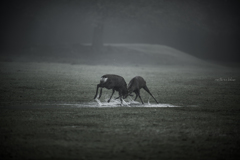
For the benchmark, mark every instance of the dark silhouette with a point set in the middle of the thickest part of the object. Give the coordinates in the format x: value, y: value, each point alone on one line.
x: 135, y: 85
x: 114, y: 82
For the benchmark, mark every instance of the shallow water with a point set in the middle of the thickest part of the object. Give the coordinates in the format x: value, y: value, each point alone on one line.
x: 117, y: 103
x: 94, y: 104
x: 130, y: 103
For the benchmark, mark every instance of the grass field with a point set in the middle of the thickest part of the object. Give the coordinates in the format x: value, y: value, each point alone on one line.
x: 35, y: 123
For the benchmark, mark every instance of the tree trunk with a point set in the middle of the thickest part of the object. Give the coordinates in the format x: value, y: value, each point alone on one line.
x: 97, y: 43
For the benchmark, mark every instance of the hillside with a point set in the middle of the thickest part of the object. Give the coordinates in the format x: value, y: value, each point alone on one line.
x: 112, y: 54
x: 158, y: 55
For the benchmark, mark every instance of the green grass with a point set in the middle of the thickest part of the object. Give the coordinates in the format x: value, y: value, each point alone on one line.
x: 33, y: 126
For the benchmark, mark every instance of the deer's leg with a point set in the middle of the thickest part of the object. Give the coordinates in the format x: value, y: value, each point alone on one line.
x: 113, y: 90
x: 100, y: 94
x: 96, y: 92
x: 137, y: 92
x: 120, y: 96
x: 146, y: 89
x: 140, y: 96
x: 136, y: 95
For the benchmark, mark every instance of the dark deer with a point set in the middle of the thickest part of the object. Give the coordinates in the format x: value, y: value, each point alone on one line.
x: 135, y: 85
x: 114, y: 82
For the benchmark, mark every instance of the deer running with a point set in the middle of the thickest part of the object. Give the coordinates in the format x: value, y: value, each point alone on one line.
x: 135, y: 85
x: 114, y: 82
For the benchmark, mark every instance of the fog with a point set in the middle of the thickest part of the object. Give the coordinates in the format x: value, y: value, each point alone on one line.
x: 205, y: 29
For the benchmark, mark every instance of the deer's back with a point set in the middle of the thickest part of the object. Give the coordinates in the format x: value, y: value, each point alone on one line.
x: 137, y: 82
x: 115, y: 80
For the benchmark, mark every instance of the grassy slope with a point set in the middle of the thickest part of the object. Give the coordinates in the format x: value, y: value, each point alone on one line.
x: 112, y: 54
x: 209, y: 131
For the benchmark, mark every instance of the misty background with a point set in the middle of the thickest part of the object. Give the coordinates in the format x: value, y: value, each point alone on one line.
x: 205, y: 29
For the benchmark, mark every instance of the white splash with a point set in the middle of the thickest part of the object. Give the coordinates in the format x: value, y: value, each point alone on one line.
x: 125, y: 103
x: 99, y: 102
x: 129, y: 102
x: 113, y: 103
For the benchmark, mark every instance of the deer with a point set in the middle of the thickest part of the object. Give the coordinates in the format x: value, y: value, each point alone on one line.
x: 114, y: 82
x: 135, y: 85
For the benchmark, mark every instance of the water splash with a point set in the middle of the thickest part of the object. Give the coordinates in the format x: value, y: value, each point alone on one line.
x: 129, y: 102
x: 125, y: 103
x: 99, y: 102
x: 113, y: 103
x: 148, y: 101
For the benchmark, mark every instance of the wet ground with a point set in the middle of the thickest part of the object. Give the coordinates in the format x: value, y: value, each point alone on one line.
x: 128, y: 103
x: 47, y: 111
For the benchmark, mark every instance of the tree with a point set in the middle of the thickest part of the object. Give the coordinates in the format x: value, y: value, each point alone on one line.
x: 98, y: 27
